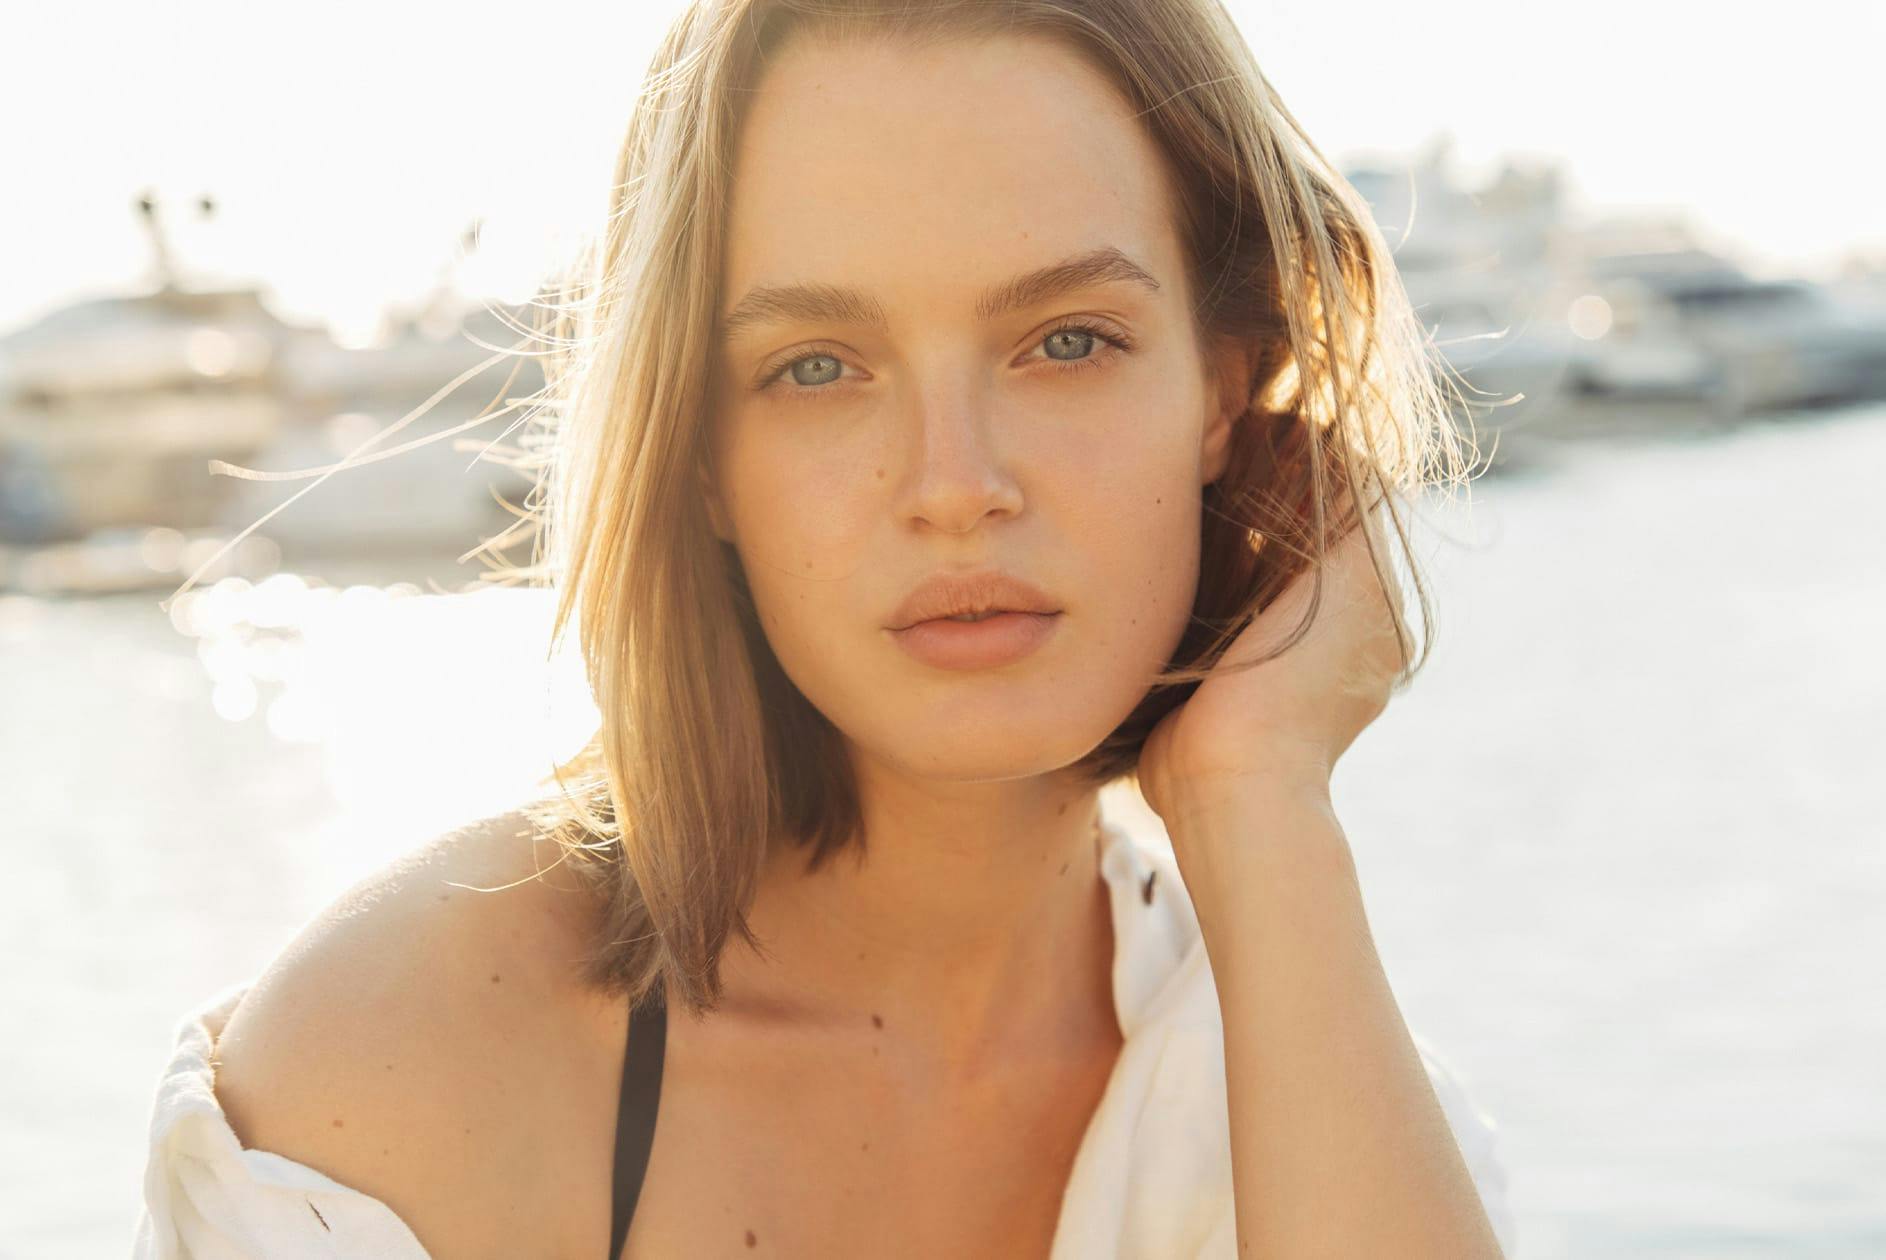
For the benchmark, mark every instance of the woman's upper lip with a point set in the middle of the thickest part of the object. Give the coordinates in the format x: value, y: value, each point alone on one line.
x: 973, y: 591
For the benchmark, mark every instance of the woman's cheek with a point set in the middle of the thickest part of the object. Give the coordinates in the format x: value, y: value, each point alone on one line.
x: 1159, y: 572
x: 805, y: 516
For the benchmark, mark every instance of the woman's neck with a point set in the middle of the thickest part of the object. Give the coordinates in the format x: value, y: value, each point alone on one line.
x: 976, y: 926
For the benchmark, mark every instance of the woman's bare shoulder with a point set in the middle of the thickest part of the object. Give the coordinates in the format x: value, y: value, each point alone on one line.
x: 410, y: 1037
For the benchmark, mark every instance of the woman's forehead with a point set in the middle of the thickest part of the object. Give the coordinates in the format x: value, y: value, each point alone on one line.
x: 960, y: 165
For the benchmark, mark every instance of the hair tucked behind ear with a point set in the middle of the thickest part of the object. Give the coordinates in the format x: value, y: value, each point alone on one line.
x: 706, y: 751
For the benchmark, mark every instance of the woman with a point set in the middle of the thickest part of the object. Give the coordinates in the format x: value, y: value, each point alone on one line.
x: 1043, y: 314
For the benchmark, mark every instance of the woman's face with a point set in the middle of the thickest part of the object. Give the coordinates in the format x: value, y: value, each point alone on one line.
x: 942, y: 419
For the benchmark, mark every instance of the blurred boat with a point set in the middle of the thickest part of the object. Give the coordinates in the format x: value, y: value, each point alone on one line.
x: 112, y: 409
x: 1688, y: 324
x: 1478, y: 263
x: 1551, y: 321
x: 1512, y: 360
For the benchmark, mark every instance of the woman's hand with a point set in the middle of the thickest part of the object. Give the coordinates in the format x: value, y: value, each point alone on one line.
x: 1339, y: 1145
x: 1283, y: 723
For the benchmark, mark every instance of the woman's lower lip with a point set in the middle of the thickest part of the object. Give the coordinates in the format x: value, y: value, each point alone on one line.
x: 993, y: 641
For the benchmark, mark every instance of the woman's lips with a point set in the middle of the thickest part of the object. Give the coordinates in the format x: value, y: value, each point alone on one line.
x: 994, y: 641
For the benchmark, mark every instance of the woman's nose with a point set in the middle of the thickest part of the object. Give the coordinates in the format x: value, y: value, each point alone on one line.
x: 960, y: 472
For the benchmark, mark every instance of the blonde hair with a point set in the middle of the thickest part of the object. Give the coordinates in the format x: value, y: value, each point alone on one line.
x: 705, y: 750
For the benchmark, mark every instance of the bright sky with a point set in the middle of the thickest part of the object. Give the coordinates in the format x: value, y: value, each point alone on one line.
x: 349, y: 144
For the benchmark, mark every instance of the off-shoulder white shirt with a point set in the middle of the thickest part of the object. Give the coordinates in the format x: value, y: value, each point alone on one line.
x: 1151, y: 1179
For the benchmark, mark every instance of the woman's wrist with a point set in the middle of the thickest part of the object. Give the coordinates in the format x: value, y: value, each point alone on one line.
x: 1245, y: 838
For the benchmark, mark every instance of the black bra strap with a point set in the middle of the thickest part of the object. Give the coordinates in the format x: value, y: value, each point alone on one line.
x: 635, y: 1113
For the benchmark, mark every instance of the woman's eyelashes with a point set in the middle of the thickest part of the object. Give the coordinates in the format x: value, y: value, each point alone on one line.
x: 1086, y: 345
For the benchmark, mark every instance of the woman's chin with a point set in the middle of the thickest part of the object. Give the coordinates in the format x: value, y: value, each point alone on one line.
x: 994, y: 755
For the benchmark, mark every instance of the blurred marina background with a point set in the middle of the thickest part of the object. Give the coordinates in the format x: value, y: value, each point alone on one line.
x: 1622, y: 843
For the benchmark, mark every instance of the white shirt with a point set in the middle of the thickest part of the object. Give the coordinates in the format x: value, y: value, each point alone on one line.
x: 1151, y: 1179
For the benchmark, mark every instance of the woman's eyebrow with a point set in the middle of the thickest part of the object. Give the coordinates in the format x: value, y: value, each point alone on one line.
x: 824, y: 303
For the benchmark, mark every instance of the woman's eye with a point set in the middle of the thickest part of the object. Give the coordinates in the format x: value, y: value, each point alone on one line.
x: 1070, y: 339
x: 1080, y: 345
x: 1083, y: 347
x: 807, y: 374
x: 824, y: 370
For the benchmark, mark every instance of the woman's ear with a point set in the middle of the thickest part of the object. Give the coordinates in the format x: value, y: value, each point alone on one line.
x: 1231, y: 368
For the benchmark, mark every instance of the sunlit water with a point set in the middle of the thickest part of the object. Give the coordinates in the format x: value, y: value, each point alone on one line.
x: 1622, y: 843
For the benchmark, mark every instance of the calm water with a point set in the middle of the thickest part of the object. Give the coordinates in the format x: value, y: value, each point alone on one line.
x: 1622, y: 843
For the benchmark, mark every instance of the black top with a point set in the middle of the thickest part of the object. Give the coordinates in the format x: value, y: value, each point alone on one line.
x: 635, y: 1111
